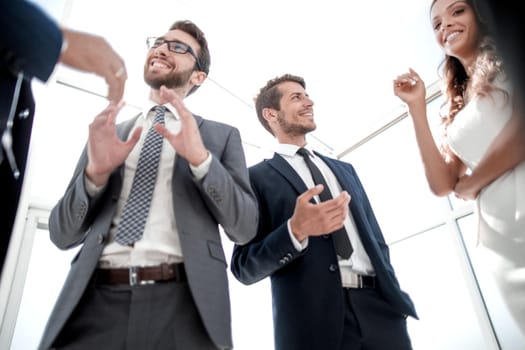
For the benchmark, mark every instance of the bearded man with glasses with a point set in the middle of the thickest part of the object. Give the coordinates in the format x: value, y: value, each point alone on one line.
x: 145, y: 202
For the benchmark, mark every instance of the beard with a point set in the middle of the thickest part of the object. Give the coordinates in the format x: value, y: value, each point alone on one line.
x: 170, y: 80
x: 294, y: 129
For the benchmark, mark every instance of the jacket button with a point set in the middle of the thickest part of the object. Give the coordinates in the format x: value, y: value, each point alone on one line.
x: 100, y: 239
x: 24, y: 114
x: 332, y: 268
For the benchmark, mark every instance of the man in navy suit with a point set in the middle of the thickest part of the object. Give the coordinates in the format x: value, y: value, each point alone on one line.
x: 320, y: 300
x: 31, y: 44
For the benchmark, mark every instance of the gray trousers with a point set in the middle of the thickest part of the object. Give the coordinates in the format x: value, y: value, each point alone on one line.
x: 160, y: 316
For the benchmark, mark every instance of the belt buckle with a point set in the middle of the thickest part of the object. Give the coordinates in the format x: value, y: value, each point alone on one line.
x: 132, y: 275
x: 133, y: 278
x: 359, y: 281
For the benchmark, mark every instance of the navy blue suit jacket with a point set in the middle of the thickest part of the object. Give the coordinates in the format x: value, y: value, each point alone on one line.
x: 30, y: 42
x: 308, y: 302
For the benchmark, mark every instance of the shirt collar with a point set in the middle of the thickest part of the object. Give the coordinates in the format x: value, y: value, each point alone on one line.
x: 149, y: 104
x: 289, y: 150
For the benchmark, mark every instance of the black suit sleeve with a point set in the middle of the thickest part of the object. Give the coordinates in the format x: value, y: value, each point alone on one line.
x: 30, y: 40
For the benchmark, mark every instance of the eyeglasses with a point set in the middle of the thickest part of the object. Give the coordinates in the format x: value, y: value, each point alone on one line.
x: 174, y: 46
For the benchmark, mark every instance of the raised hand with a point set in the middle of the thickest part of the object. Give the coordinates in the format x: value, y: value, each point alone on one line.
x: 106, y: 151
x: 409, y: 88
x: 188, y: 142
x: 93, y: 54
x: 318, y: 219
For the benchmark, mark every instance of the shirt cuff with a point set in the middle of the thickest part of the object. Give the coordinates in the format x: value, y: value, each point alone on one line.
x: 92, y: 189
x: 300, y: 246
x: 202, y: 169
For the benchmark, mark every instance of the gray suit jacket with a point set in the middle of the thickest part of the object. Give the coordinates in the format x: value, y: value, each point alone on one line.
x: 223, y: 197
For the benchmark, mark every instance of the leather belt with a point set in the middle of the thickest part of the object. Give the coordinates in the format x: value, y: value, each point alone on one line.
x: 136, y: 275
x: 354, y: 280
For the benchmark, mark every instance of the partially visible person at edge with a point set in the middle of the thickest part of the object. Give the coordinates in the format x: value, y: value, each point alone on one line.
x: 324, y: 297
x: 507, y: 23
x: 159, y: 282
x: 481, y: 154
x: 31, y: 45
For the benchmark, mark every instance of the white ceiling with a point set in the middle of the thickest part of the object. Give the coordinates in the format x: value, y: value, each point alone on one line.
x: 348, y: 52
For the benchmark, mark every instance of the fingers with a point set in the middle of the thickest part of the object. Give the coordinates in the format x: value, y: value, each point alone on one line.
x: 134, y: 137
x: 108, y: 116
x: 336, y: 208
x: 161, y: 129
x: 311, y: 193
x: 111, y: 67
x: 92, y: 53
x: 343, y: 199
x: 110, y: 110
x: 113, y: 110
x: 407, y: 79
x: 116, y: 81
x: 331, y: 208
x: 315, y: 219
x: 175, y: 101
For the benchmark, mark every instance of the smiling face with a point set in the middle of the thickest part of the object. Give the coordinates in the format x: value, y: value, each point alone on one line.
x: 456, y: 29
x: 164, y: 67
x: 295, y: 118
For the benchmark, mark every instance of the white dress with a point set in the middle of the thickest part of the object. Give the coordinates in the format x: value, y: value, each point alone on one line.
x: 500, y: 207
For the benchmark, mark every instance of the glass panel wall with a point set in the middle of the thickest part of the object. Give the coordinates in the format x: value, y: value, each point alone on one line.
x: 390, y: 169
x: 428, y: 268
x: 46, y: 272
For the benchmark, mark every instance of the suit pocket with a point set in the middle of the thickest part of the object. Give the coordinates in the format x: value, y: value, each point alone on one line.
x: 216, y: 251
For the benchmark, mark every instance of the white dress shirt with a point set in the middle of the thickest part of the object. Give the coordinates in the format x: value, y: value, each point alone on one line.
x: 160, y: 241
x: 359, y: 262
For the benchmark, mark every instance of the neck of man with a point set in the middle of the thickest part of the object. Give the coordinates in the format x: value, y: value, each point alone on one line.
x: 155, y: 96
x: 298, y: 140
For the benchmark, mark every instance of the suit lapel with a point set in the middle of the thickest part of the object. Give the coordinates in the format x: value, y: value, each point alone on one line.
x: 124, y: 129
x: 338, y: 172
x: 343, y: 177
x: 286, y: 170
x: 348, y: 184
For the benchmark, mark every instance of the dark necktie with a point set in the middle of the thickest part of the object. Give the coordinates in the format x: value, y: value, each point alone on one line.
x: 136, y: 209
x: 343, y: 247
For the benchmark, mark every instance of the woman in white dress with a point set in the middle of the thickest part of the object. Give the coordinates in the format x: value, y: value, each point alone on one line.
x: 481, y: 155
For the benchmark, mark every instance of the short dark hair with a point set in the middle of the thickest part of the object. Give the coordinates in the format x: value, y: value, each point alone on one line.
x: 203, y: 54
x: 270, y: 96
